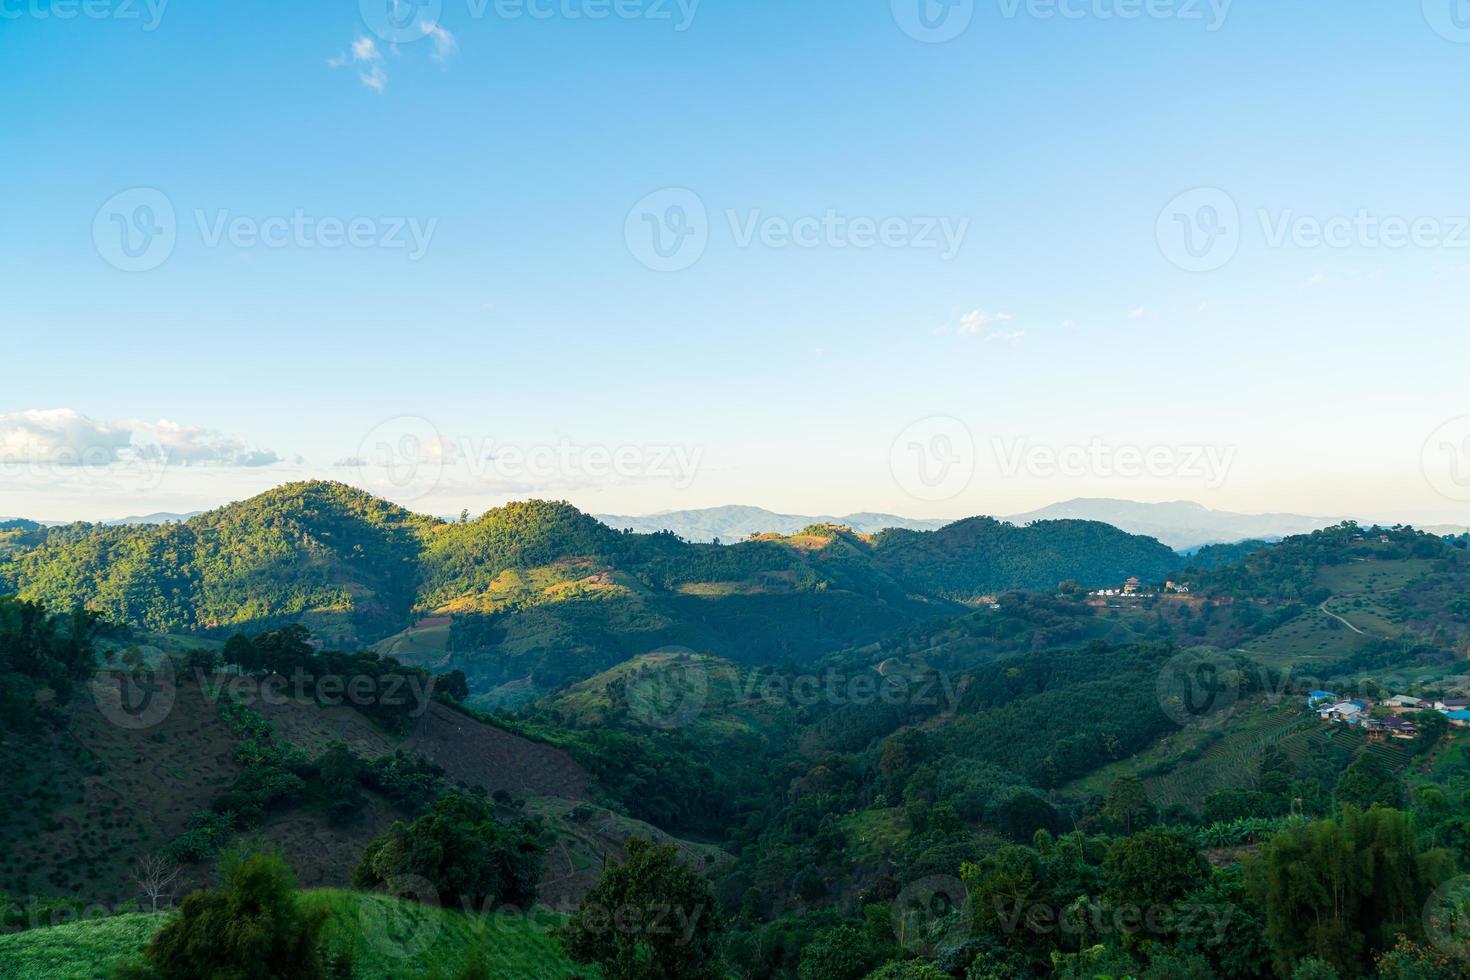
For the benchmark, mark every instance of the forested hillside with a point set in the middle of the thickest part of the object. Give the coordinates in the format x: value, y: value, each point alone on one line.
x: 865, y: 783
x: 319, y: 550
x: 355, y: 568
x: 983, y: 556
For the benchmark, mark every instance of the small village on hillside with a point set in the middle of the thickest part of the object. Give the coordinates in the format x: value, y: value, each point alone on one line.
x: 1388, y: 718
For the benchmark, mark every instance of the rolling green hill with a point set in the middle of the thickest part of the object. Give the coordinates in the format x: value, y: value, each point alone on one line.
x: 338, y: 559
x: 541, y: 588
x: 387, y: 938
x: 982, y: 556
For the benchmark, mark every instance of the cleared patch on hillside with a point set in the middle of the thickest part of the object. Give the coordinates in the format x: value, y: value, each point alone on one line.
x: 83, y: 804
x: 387, y: 938
x: 588, y: 837
x: 1186, y: 767
x: 696, y: 692
x: 469, y: 751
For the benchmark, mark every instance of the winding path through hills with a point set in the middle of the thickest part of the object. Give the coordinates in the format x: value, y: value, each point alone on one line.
x: 1339, y: 618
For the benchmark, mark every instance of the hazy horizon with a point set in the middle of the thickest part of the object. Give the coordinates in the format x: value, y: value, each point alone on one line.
x: 148, y: 506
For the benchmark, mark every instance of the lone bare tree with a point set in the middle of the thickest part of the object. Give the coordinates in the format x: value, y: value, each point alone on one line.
x: 154, y: 875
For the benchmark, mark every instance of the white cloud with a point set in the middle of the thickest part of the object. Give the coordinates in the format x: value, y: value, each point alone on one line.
x: 375, y: 78
x: 364, y: 51
x: 1004, y: 336
x: 65, y: 437
x: 1069, y: 324
x: 60, y: 436
x: 444, y: 42
x: 190, y: 445
x: 1137, y: 314
x: 976, y: 322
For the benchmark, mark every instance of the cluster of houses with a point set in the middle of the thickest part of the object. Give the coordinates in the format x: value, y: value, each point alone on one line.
x: 1137, y: 590
x: 1359, y: 711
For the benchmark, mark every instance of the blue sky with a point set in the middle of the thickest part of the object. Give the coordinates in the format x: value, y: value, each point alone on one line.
x: 495, y: 331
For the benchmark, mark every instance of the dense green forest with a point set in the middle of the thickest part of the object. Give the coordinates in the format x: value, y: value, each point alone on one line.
x: 849, y: 772
x: 539, y: 588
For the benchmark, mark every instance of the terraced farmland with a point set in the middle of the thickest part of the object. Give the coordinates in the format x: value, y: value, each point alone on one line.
x: 1185, y: 768
x: 1231, y: 761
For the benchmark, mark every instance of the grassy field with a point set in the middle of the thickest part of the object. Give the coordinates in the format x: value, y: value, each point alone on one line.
x: 1361, y: 591
x: 1186, y: 767
x: 1310, y: 642
x: 875, y: 834
x: 708, y: 695
x: 77, y: 951
x: 388, y: 939
x: 392, y: 939
x: 1366, y: 577
x: 418, y: 644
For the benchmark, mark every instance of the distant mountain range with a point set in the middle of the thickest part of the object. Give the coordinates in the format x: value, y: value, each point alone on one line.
x: 1182, y: 525
x: 162, y: 517
x: 736, y: 523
